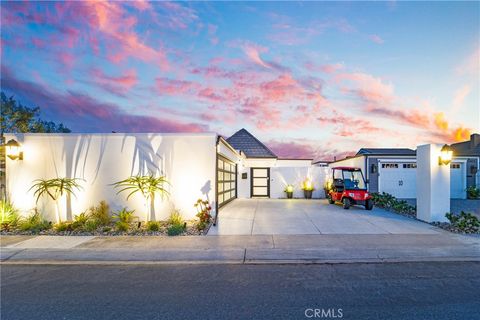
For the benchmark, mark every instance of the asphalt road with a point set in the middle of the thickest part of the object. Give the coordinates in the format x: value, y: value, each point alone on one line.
x: 362, y: 291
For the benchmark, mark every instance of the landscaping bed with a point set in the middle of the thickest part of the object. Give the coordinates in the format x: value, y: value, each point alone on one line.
x: 464, y: 223
x: 101, y: 221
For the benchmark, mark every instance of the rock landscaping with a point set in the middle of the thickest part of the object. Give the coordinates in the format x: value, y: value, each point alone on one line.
x: 465, y: 223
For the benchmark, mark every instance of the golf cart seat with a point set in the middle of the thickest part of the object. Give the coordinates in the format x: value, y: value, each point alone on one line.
x: 348, y: 184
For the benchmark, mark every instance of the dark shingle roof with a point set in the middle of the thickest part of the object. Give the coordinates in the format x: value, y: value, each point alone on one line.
x: 387, y: 151
x: 244, y: 141
x: 468, y: 148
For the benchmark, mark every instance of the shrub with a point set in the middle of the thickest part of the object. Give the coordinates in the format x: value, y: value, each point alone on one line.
x: 35, y: 223
x: 387, y: 201
x: 153, y: 226
x: 175, y: 229
x: 9, y: 217
x: 63, y: 226
x: 106, y: 229
x: 80, y: 221
x: 124, y: 215
x: 473, y: 192
x: 465, y: 222
x: 122, y: 226
x: 101, y: 214
x: 91, y: 225
x: 175, y: 218
x: 203, y: 213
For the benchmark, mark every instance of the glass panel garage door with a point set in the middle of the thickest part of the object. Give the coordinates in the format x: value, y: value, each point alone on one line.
x: 226, y: 181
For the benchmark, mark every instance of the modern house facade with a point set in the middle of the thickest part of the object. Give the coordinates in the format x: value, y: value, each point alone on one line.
x: 202, y: 165
x: 393, y: 170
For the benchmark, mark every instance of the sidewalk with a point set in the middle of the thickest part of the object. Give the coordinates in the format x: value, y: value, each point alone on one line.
x: 254, y: 249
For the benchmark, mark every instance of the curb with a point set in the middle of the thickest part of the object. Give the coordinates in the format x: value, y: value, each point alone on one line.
x: 238, y: 262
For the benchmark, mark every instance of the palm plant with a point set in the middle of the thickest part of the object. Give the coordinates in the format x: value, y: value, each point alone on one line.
x: 148, y: 186
x: 55, y: 189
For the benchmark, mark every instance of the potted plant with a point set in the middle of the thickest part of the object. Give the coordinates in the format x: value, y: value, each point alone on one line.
x: 307, y: 187
x: 289, y: 191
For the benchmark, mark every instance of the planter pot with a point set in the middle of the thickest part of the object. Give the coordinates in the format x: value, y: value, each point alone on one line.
x: 308, y: 194
x: 289, y: 195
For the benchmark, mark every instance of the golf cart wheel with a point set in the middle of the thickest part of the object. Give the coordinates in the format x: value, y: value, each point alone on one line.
x: 346, y: 203
x: 330, y: 200
x: 369, y: 205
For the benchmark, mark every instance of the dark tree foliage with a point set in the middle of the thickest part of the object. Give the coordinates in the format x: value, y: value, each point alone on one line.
x: 17, y: 118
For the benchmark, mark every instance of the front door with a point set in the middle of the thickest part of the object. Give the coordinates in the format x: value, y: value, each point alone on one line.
x: 260, y: 186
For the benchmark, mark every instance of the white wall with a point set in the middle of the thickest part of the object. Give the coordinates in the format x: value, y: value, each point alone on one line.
x: 282, y: 173
x: 187, y: 160
x: 282, y: 176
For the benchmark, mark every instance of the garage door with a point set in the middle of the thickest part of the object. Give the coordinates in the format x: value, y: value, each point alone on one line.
x: 457, y: 180
x: 226, y: 181
x: 398, y: 179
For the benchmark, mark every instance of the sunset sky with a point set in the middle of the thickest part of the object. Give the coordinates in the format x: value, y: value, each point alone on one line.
x: 309, y: 79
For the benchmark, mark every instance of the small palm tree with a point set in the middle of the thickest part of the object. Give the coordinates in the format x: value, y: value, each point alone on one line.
x: 55, y: 189
x: 148, y: 186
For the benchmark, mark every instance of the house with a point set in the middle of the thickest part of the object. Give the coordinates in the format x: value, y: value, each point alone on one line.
x: 261, y: 173
x: 197, y: 165
x: 393, y: 170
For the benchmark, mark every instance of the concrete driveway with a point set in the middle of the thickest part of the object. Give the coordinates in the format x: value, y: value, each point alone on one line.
x: 295, y: 216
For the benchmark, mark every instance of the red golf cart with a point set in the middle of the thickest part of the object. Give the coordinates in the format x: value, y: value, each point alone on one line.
x: 347, y: 185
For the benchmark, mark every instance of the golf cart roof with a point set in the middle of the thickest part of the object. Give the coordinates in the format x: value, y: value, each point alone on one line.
x: 347, y: 168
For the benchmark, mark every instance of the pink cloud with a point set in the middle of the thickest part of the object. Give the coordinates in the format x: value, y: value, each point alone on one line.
x: 370, y: 89
x: 460, y: 96
x: 96, y: 116
x: 253, y: 53
x: 166, y: 86
x: 376, y: 38
x: 115, y: 84
x: 471, y: 64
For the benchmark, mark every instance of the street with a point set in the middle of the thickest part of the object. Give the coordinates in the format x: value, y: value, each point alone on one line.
x: 435, y: 290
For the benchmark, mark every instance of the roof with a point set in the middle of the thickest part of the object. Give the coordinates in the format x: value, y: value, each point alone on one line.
x: 347, y: 168
x: 387, y: 151
x: 244, y: 141
x: 467, y: 148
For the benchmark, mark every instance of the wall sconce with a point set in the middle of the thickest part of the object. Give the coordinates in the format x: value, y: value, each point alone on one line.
x: 445, y: 155
x: 373, y: 168
x: 14, y: 150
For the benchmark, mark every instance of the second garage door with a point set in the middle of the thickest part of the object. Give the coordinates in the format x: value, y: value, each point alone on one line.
x: 398, y: 179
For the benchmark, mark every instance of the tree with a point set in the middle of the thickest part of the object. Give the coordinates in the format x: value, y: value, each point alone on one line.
x: 17, y: 118
x: 148, y: 186
x: 55, y: 189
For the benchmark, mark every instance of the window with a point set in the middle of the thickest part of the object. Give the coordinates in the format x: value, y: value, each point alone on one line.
x: 353, y: 180
x: 390, y: 165
x: 454, y: 165
x: 409, y: 166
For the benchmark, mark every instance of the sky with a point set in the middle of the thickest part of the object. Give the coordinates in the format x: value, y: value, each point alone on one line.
x: 309, y: 79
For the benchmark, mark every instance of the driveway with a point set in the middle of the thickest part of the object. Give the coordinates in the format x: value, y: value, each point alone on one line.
x: 295, y: 216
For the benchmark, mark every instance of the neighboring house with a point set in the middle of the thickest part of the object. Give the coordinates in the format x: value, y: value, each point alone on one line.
x: 394, y: 170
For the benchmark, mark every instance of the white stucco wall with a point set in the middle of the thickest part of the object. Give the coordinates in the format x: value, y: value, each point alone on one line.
x: 187, y: 160
x: 433, y: 184
x: 282, y: 176
x: 283, y: 172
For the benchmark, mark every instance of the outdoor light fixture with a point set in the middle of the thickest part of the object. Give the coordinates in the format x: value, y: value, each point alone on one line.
x: 445, y: 155
x: 289, y: 188
x: 14, y: 150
